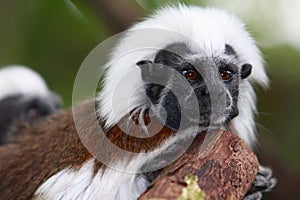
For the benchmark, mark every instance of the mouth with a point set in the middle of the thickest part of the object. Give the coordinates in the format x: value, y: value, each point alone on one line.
x: 207, y: 121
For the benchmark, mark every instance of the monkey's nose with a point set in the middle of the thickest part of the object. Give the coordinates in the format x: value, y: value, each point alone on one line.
x: 229, y: 101
x: 234, y: 112
x: 204, y: 91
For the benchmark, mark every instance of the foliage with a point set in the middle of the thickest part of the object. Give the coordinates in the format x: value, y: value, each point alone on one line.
x: 192, y: 191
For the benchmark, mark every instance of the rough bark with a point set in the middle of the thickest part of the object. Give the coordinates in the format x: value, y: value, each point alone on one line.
x: 224, y: 164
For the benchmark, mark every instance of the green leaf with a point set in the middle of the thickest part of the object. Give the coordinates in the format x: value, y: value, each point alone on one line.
x: 192, y: 191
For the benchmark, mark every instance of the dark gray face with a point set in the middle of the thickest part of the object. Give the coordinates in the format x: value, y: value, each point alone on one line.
x: 193, y: 88
x: 19, y: 109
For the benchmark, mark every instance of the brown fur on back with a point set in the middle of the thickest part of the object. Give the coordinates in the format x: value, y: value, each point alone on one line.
x: 40, y: 152
x: 53, y: 145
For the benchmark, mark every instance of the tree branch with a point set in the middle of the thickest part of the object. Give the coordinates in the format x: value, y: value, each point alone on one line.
x: 226, y: 171
x: 117, y: 14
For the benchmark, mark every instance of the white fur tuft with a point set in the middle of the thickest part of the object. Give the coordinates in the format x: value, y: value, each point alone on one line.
x: 125, y: 181
x: 17, y: 79
x: 83, y: 184
x: 209, y: 29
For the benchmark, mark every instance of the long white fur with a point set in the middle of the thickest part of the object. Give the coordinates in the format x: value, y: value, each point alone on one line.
x: 209, y: 29
x: 17, y: 79
x: 81, y: 184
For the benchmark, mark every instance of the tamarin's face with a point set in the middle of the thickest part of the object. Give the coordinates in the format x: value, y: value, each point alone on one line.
x: 17, y: 109
x: 191, y: 89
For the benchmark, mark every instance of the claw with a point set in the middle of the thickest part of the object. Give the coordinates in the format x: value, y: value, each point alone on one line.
x: 264, y: 182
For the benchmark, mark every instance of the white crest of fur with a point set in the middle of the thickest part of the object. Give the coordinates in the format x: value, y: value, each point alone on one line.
x: 209, y: 29
x: 17, y: 79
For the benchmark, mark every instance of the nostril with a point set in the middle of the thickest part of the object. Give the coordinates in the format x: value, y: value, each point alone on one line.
x: 204, y: 92
x: 228, y: 104
x: 228, y: 100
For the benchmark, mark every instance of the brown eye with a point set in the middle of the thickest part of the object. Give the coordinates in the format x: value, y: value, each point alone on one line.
x: 226, y: 74
x: 33, y: 112
x: 190, y: 74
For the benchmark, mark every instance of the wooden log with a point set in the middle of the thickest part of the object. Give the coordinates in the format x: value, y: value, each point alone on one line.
x: 225, y: 169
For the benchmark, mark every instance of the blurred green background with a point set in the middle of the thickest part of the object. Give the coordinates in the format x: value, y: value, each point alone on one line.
x: 53, y: 38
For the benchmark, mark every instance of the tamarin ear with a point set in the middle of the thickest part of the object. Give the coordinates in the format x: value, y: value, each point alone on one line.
x: 143, y: 62
x: 246, y: 70
x: 146, y: 68
x: 154, y: 72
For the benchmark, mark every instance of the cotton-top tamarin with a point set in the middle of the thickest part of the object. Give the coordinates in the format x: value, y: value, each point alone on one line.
x: 24, y: 99
x: 188, y: 68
